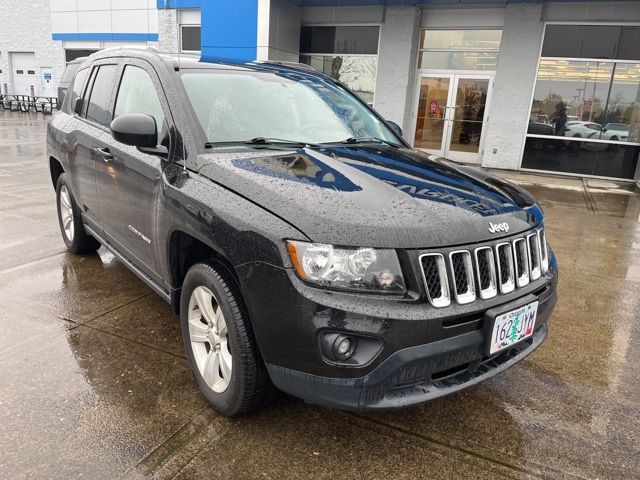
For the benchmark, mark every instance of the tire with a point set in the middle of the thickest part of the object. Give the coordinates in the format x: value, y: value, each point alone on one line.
x: 72, y: 229
x: 237, y: 382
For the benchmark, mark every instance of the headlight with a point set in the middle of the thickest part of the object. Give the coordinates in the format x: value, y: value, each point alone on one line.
x: 363, y: 269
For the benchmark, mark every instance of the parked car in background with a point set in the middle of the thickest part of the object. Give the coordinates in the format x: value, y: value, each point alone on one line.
x: 615, y: 131
x: 583, y: 130
x: 67, y: 78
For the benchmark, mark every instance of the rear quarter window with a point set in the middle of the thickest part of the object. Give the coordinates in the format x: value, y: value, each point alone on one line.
x: 76, y: 92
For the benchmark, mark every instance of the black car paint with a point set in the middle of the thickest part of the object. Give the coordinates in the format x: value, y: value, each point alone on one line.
x: 244, y: 202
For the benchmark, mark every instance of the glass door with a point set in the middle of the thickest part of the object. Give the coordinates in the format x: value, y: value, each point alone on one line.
x: 431, y: 117
x: 451, y: 115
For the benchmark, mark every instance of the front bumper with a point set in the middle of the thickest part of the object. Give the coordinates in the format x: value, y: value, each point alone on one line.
x: 416, y: 374
x: 425, y: 355
x: 408, y: 377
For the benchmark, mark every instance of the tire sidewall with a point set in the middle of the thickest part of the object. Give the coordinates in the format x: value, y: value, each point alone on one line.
x: 63, y: 182
x: 226, y: 402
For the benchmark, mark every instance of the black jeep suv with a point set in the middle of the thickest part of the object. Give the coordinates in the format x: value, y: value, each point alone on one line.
x: 304, y: 244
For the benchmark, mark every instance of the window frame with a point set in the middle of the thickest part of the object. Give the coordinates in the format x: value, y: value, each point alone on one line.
x: 363, y: 55
x: 422, y: 50
x: 164, y: 105
x: 180, y: 27
x: 526, y: 135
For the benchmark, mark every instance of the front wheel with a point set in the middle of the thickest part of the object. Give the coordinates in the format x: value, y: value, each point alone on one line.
x: 219, y: 343
x: 74, y: 235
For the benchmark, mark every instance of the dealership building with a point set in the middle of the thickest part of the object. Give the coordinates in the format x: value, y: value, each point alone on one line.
x: 529, y: 84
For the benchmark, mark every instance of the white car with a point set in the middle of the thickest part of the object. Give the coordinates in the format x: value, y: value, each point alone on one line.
x: 615, y: 131
x: 583, y: 130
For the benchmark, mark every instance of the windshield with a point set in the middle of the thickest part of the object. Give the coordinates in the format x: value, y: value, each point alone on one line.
x: 234, y: 106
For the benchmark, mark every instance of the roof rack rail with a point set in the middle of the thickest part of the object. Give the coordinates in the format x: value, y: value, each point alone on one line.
x: 147, y: 48
x: 301, y: 66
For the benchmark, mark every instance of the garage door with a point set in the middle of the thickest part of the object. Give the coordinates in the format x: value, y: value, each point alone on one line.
x: 23, y: 73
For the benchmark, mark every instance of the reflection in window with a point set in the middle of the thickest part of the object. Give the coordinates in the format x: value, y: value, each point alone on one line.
x: 595, y: 100
x: 594, y: 106
x: 459, y: 49
x: 581, y: 157
x: 350, y: 40
x: 357, y: 73
x: 346, y: 53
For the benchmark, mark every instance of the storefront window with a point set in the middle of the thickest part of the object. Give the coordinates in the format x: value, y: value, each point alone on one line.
x: 357, y: 73
x: 459, y: 49
x: 585, y: 114
x: 348, y: 54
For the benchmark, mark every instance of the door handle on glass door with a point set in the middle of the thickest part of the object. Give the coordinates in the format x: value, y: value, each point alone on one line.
x: 102, y: 152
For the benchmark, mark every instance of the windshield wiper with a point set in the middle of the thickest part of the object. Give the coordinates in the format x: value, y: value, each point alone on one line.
x: 262, y: 141
x: 355, y: 141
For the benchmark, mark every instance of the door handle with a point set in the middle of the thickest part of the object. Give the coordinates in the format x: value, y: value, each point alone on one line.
x: 102, y: 152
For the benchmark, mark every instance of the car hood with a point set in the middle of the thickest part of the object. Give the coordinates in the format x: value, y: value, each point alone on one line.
x: 377, y: 196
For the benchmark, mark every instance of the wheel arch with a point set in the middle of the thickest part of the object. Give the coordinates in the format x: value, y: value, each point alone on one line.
x: 55, y: 169
x: 184, y: 251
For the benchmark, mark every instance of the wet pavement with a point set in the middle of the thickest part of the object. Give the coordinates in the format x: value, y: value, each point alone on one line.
x: 94, y: 382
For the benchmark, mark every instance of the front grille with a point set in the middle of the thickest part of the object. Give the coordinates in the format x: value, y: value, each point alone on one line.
x: 486, y: 271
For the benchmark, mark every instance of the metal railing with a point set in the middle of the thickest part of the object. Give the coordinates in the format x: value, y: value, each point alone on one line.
x: 28, y: 103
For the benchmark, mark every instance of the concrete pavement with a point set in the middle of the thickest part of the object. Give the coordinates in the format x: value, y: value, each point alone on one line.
x: 94, y: 382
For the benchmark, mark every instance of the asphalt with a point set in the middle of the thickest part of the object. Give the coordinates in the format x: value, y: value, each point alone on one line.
x: 94, y: 381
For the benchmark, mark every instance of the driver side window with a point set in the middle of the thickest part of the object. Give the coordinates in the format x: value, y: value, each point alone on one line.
x: 137, y: 94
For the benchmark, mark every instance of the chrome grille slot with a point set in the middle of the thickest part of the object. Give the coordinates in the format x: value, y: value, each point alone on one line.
x: 533, y: 249
x: 521, y: 258
x: 544, y: 252
x: 486, y: 272
x: 434, y: 274
x: 462, y: 276
x: 506, y: 273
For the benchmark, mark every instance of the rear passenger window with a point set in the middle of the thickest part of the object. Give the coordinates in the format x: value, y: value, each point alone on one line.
x: 137, y: 94
x: 78, y: 84
x: 98, y: 107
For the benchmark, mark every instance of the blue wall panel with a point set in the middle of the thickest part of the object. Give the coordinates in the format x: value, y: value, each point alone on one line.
x: 229, y: 30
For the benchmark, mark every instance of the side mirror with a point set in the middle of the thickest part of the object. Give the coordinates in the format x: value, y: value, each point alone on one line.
x: 77, y: 105
x: 135, y: 129
x: 396, y: 128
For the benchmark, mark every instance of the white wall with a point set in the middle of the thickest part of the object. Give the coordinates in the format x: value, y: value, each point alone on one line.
x: 168, y: 39
x: 104, y: 16
x: 515, y: 77
x: 29, y: 30
x: 278, y: 30
x: 397, y: 61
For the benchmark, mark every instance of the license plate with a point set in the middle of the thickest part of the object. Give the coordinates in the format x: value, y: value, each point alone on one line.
x: 511, y: 327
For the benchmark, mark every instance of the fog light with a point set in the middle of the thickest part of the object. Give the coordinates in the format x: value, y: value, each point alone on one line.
x: 344, y: 346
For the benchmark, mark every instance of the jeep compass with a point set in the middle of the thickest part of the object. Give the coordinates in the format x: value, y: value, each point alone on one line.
x: 305, y: 245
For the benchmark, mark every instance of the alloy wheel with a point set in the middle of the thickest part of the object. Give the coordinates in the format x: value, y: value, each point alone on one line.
x: 66, y: 213
x: 209, y: 339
